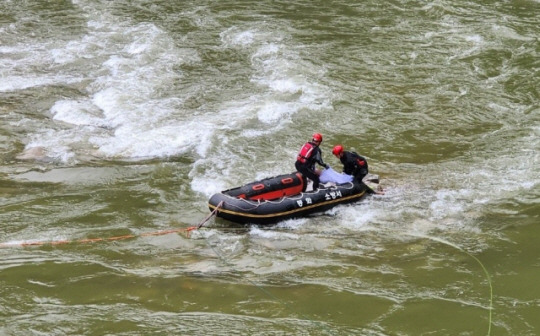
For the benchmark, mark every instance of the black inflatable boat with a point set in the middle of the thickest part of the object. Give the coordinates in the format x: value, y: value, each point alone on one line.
x: 280, y: 197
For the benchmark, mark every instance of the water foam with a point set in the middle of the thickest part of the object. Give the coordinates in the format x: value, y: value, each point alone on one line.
x: 284, y: 84
x: 124, y: 115
x: 453, y: 195
x: 280, y: 71
x: 18, y: 58
x: 127, y: 111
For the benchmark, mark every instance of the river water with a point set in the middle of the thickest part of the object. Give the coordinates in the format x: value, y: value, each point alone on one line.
x: 121, y: 118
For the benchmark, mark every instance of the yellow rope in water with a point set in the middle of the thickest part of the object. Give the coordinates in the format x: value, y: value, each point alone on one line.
x: 442, y: 241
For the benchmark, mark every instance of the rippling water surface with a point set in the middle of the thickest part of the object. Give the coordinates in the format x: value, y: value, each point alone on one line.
x: 121, y: 118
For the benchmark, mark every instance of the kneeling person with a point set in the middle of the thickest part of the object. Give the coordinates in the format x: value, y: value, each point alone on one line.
x: 353, y: 164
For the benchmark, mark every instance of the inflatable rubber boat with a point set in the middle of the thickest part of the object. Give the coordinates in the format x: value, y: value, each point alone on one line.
x: 281, y: 197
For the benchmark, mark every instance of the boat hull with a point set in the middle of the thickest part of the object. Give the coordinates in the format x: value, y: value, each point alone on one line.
x: 244, y: 211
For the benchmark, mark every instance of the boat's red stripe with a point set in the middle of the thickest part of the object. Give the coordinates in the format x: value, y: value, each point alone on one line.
x: 278, y: 193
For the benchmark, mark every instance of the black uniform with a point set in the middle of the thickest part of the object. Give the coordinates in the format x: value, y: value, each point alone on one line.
x: 355, y: 165
x: 306, y: 164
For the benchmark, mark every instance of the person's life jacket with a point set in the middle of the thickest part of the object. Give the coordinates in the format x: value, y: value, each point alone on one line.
x: 360, y: 161
x: 354, y: 164
x: 305, y: 152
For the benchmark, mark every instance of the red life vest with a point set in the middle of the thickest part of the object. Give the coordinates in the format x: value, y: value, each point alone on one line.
x: 305, y: 152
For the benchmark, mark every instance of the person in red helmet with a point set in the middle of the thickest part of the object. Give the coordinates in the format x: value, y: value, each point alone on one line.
x: 309, y: 154
x: 353, y: 164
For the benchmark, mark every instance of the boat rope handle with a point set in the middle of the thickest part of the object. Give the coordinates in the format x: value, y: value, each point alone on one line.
x: 214, y: 212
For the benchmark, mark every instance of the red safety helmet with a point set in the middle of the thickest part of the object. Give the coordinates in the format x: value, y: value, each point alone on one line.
x: 338, y: 149
x: 317, y: 137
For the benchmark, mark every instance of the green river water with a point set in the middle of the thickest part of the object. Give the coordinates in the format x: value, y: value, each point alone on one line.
x: 121, y: 118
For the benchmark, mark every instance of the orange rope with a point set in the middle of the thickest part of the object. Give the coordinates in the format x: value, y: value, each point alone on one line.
x: 128, y: 236
x: 96, y: 240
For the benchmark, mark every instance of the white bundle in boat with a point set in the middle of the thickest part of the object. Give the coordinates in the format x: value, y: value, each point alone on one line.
x: 330, y: 175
